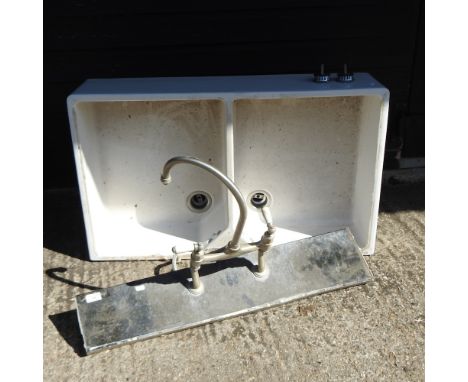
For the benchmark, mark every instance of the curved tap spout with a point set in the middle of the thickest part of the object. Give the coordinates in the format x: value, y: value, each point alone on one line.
x: 233, y: 245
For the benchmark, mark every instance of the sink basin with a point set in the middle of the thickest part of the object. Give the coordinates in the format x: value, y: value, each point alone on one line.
x: 120, y: 149
x: 315, y: 157
x: 315, y: 149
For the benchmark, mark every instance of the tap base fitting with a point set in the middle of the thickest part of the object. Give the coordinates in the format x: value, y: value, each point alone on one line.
x: 261, y: 276
x: 197, y: 291
x: 232, y: 248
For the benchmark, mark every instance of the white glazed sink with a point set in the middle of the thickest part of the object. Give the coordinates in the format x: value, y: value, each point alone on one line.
x: 316, y: 148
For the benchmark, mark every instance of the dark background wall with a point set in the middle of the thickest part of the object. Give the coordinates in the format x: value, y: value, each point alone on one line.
x: 104, y: 39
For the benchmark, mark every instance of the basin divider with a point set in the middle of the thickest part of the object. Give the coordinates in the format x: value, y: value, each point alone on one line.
x: 229, y: 142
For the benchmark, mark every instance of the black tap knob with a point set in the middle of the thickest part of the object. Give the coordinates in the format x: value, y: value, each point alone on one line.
x: 345, y: 76
x: 321, y: 76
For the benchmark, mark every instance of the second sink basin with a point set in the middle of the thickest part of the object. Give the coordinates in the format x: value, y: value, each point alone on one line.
x: 314, y: 158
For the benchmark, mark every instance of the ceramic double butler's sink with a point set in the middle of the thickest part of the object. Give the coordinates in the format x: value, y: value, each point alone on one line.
x: 314, y: 150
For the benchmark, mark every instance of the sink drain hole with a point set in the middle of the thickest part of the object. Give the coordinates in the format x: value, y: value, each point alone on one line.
x: 259, y: 199
x: 199, y: 201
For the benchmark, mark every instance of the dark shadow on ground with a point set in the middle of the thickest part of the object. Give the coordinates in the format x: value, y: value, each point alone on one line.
x: 67, y: 325
x: 52, y: 273
x: 183, y: 276
x: 64, y: 230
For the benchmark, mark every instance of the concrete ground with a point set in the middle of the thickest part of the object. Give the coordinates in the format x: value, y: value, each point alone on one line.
x: 373, y: 332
